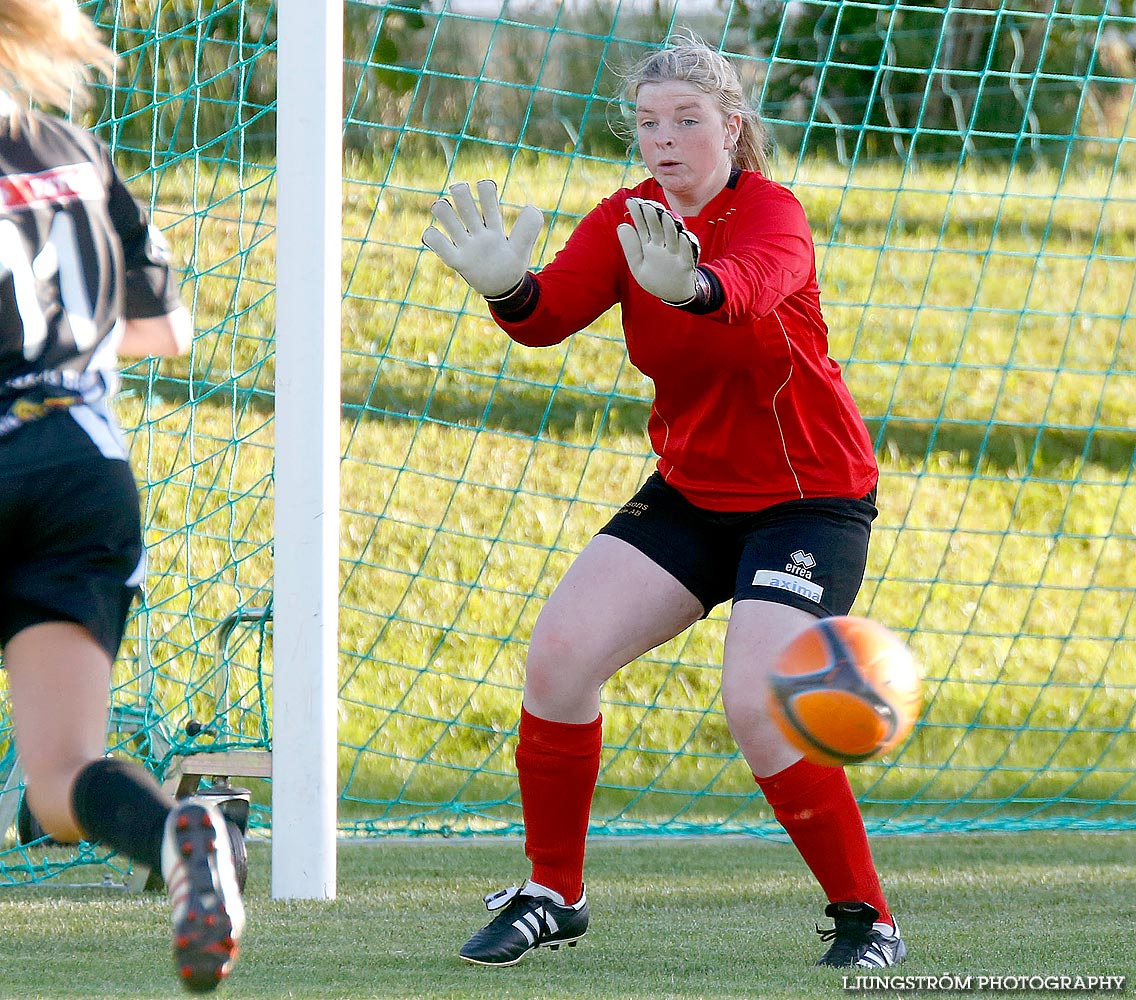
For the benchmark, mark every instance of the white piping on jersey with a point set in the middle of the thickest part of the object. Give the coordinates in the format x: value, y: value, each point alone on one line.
x: 667, y: 436
x: 776, y: 415
x: 100, y: 429
x: 139, y: 573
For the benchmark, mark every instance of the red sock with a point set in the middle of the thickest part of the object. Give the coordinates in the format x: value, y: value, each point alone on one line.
x: 816, y: 806
x: 557, y: 766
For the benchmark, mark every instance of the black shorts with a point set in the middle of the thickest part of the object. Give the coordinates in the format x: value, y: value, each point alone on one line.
x: 808, y: 554
x: 70, y: 544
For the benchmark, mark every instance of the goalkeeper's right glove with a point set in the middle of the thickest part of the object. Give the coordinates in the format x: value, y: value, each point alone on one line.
x: 474, y: 242
x: 661, y: 252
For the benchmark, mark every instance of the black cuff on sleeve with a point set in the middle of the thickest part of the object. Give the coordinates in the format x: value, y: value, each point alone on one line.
x: 708, y: 293
x: 150, y: 291
x: 520, y: 303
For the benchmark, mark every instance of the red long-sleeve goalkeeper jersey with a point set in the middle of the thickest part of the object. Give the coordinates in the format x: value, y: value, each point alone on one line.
x: 749, y: 409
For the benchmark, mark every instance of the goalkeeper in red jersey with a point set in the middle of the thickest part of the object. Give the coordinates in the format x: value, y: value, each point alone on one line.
x: 763, y: 493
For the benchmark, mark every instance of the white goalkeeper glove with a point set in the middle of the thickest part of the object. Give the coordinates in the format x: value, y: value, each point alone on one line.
x: 660, y: 251
x: 474, y: 242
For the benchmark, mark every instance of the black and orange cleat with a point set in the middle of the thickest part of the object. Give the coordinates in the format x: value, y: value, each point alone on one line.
x: 207, y: 913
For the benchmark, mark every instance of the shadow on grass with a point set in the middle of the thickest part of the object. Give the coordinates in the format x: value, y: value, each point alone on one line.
x: 525, y: 409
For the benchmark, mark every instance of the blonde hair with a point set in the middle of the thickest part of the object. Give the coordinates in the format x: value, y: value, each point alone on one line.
x: 687, y: 58
x: 48, y: 49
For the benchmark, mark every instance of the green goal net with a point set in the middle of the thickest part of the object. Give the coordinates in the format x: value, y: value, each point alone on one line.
x: 970, y: 174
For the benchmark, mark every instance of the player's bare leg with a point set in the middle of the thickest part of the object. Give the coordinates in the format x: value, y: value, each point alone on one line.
x: 613, y: 605
x: 59, y: 679
x: 757, y: 633
x: 814, y: 803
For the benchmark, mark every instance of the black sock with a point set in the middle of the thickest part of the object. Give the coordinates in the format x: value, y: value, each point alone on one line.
x: 120, y: 805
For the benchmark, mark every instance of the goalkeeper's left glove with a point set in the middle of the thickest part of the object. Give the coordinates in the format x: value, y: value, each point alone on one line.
x: 661, y: 252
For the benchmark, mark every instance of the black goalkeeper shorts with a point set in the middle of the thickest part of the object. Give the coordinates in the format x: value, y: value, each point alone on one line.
x: 808, y: 554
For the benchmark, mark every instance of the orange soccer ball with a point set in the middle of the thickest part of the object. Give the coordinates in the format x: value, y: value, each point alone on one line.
x: 846, y: 690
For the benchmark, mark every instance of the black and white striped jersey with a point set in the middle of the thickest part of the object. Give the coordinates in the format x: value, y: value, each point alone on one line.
x: 77, y: 256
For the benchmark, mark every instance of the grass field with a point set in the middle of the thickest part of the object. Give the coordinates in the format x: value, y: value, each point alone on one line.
x: 696, y: 919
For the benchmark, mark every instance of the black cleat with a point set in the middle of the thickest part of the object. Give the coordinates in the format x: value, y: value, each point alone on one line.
x: 528, y: 919
x: 858, y: 940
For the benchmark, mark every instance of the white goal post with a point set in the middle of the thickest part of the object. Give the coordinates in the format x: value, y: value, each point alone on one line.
x: 306, y: 568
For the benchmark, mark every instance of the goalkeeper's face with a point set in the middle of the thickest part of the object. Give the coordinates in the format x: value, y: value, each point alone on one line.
x: 685, y: 139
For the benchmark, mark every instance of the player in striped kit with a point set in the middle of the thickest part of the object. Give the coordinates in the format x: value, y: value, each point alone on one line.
x: 84, y: 277
x: 764, y: 490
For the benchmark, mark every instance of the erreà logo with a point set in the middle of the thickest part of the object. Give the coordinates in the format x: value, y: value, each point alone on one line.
x: 801, y: 563
x: 803, y: 559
